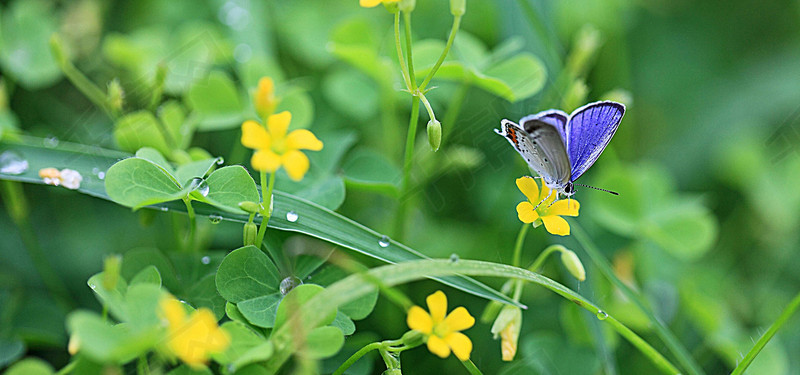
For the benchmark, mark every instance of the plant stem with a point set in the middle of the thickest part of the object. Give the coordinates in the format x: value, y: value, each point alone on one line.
x: 400, y: 58
x: 267, y: 199
x: 81, y: 82
x: 142, y: 367
x: 68, y: 368
x: 192, y: 223
x: 356, y: 356
x: 773, y: 329
x: 537, y: 264
x: 523, y: 231
x: 450, y: 39
x: 407, y: 163
x: 17, y: 208
x: 471, y: 368
x: 407, y: 30
x: 669, y: 339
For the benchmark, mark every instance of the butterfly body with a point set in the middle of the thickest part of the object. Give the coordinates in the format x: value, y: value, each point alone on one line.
x: 561, y: 147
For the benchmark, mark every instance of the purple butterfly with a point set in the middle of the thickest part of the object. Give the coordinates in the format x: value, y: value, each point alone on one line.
x: 561, y: 148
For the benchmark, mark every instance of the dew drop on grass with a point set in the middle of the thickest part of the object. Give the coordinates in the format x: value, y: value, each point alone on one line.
x: 205, y: 260
x: 384, y: 241
x: 220, y: 160
x: 163, y: 208
x: 50, y: 142
x: 11, y: 162
x: 98, y: 173
x: 454, y: 258
x: 199, y: 185
x: 215, y: 218
x: 292, y: 216
x: 602, y: 315
x: 289, y: 283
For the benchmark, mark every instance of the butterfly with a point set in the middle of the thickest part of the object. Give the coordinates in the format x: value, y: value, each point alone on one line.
x: 560, y: 148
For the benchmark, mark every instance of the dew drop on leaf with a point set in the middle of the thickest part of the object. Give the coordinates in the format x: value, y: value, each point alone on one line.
x: 602, y: 315
x: 454, y: 258
x: 384, y: 241
x: 292, y: 216
x: 215, y: 218
x: 199, y: 185
x: 50, y: 142
x: 11, y: 162
x: 289, y: 283
x: 205, y: 260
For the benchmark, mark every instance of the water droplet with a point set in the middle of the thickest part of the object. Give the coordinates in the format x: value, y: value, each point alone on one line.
x: 164, y: 208
x: 50, y: 142
x: 98, y: 173
x: 205, y: 260
x: 289, y: 283
x: 199, y: 185
x: 101, y: 175
x: 11, y: 162
x: 215, y: 218
x: 242, y: 53
x: 454, y: 258
x: 384, y: 241
x: 292, y: 216
x: 602, y: 315
x: 220, y: 160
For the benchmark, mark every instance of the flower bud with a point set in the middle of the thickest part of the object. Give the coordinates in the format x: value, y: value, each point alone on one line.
x: 434, y: 134
x: 74, y: 344
x: 250, y: 234
x: 508, y: 325
x: 111, y: 270
x: 264, y: 97
x: 250, y: 207
x: 115, y: 95
x: 458, y: 7
x: 392, y: 371
x: 407, y: 6
x: 413, y: 338
x: 573, y: 264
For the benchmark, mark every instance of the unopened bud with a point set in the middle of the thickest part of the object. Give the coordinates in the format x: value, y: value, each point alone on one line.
x: 407, y: 6
x: 116, y: 95
x: 508, y: 325
x: 250, y: 207
x: 250, y: 234
x: 264, y: 98
x: 74, y: 344
x: 111, y: 269
x: 413, y: 338
x: 434, y: 134
x: 458, y: 7
x: 573, y: 264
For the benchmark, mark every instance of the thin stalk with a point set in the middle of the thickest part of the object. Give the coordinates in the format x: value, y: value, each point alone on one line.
x: 68, y: 368
x: 773, y: 329
x: 356, y: 356
x: 407, y: 30
x: 672, y: 343
x: 17, y: 208
x: 81, y: 82
x: 537, y: 264
x: 523, y: 231
x: 471, y: 368
x: 450, y: 39
x: 142, y: 368
x: 427, y: 105
x: 267, y: 199
x: 192, y: 223
x: 403, y: 67
x: 407, y: 163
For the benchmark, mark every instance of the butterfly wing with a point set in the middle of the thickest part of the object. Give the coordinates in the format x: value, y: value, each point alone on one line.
x: 524, y: 146
x: 546, y: 133
x: 588, y: 132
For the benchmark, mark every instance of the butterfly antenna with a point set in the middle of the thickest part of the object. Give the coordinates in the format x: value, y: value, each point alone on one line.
x: 597, y: 188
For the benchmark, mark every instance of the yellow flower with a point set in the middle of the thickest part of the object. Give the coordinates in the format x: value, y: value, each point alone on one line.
x: 274, y: 148
x: 264, y: 97
x: 374, y: 3
x: 192, y: 339
x: 548, y: 212
x: 507, y: 326
x: 442, y: 332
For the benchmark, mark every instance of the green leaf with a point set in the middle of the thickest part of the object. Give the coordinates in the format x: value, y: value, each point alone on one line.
x: 295, y: 299
x: 261, y: 311
x: 524, y: 74
x: 141, y: 129
x: 10, y: 350
x: 203, y: 293
x: 257, y: 354
x: 187, y: 370
x: 106, y: 343
x: 365, y: 59
x: 230, y: 185
x: 200, y: 168
x: 243, y: 339
x: 686, y: 230
x: 149, y: 275
x: 313, y: 220
x: 142, y: 306
x: 30, y: 366
x: 357, y: 309
x: 247, y: 273
x: 373, y: 171
x: 301, y: 106
x: 136, y: 183
x: 344, y: 323
x: 323, y: 342
x: 25, y: 40
x: 352, y: 93
x: 152, y: 155
x: 114, y: 299
x: 328, y: 193
x: 138, y: 259
x: 216, y: 101
x: 172, y: 115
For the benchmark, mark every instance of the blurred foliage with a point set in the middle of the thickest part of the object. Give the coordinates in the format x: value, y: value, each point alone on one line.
x: 707, y: 162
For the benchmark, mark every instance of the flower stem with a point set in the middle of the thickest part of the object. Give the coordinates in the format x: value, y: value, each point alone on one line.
x: 192, y: 223
x: 450, y: 39
x: 523, y: 231
x: 68, y: 368
x: 407, y: 163
x: 267, y: 199
x: 751, y: 355
x: 17, y: 207
x: 471, y: 367
x: 669, y: 339
x: 400, y: 58
x: 407, y: 29
x: 356, y: 356
x: 81, y: 82
x: 537, y: 264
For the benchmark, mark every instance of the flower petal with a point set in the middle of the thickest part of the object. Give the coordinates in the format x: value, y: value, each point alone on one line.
x: 264, y: 97
x: 419, y: 320
x: 556, y: 225
x: 265, y: 161
x: 173, y: 311
x: 461, y: 345
x: 438, y: 346
x: 278, y: 124
x: 526, y: 213
x: 564, y: 207
x: 369, y: 3
x: 296, y: 164
x: 527, y: 185
x: 303, y: 139
x: 437, y: 305
x: 255, y: 136
x: 459, y: 319
x: 545, y: 193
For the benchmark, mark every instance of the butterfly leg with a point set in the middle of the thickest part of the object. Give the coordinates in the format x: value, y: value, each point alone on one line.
x: 542, y: 201
x: 554, y: 200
